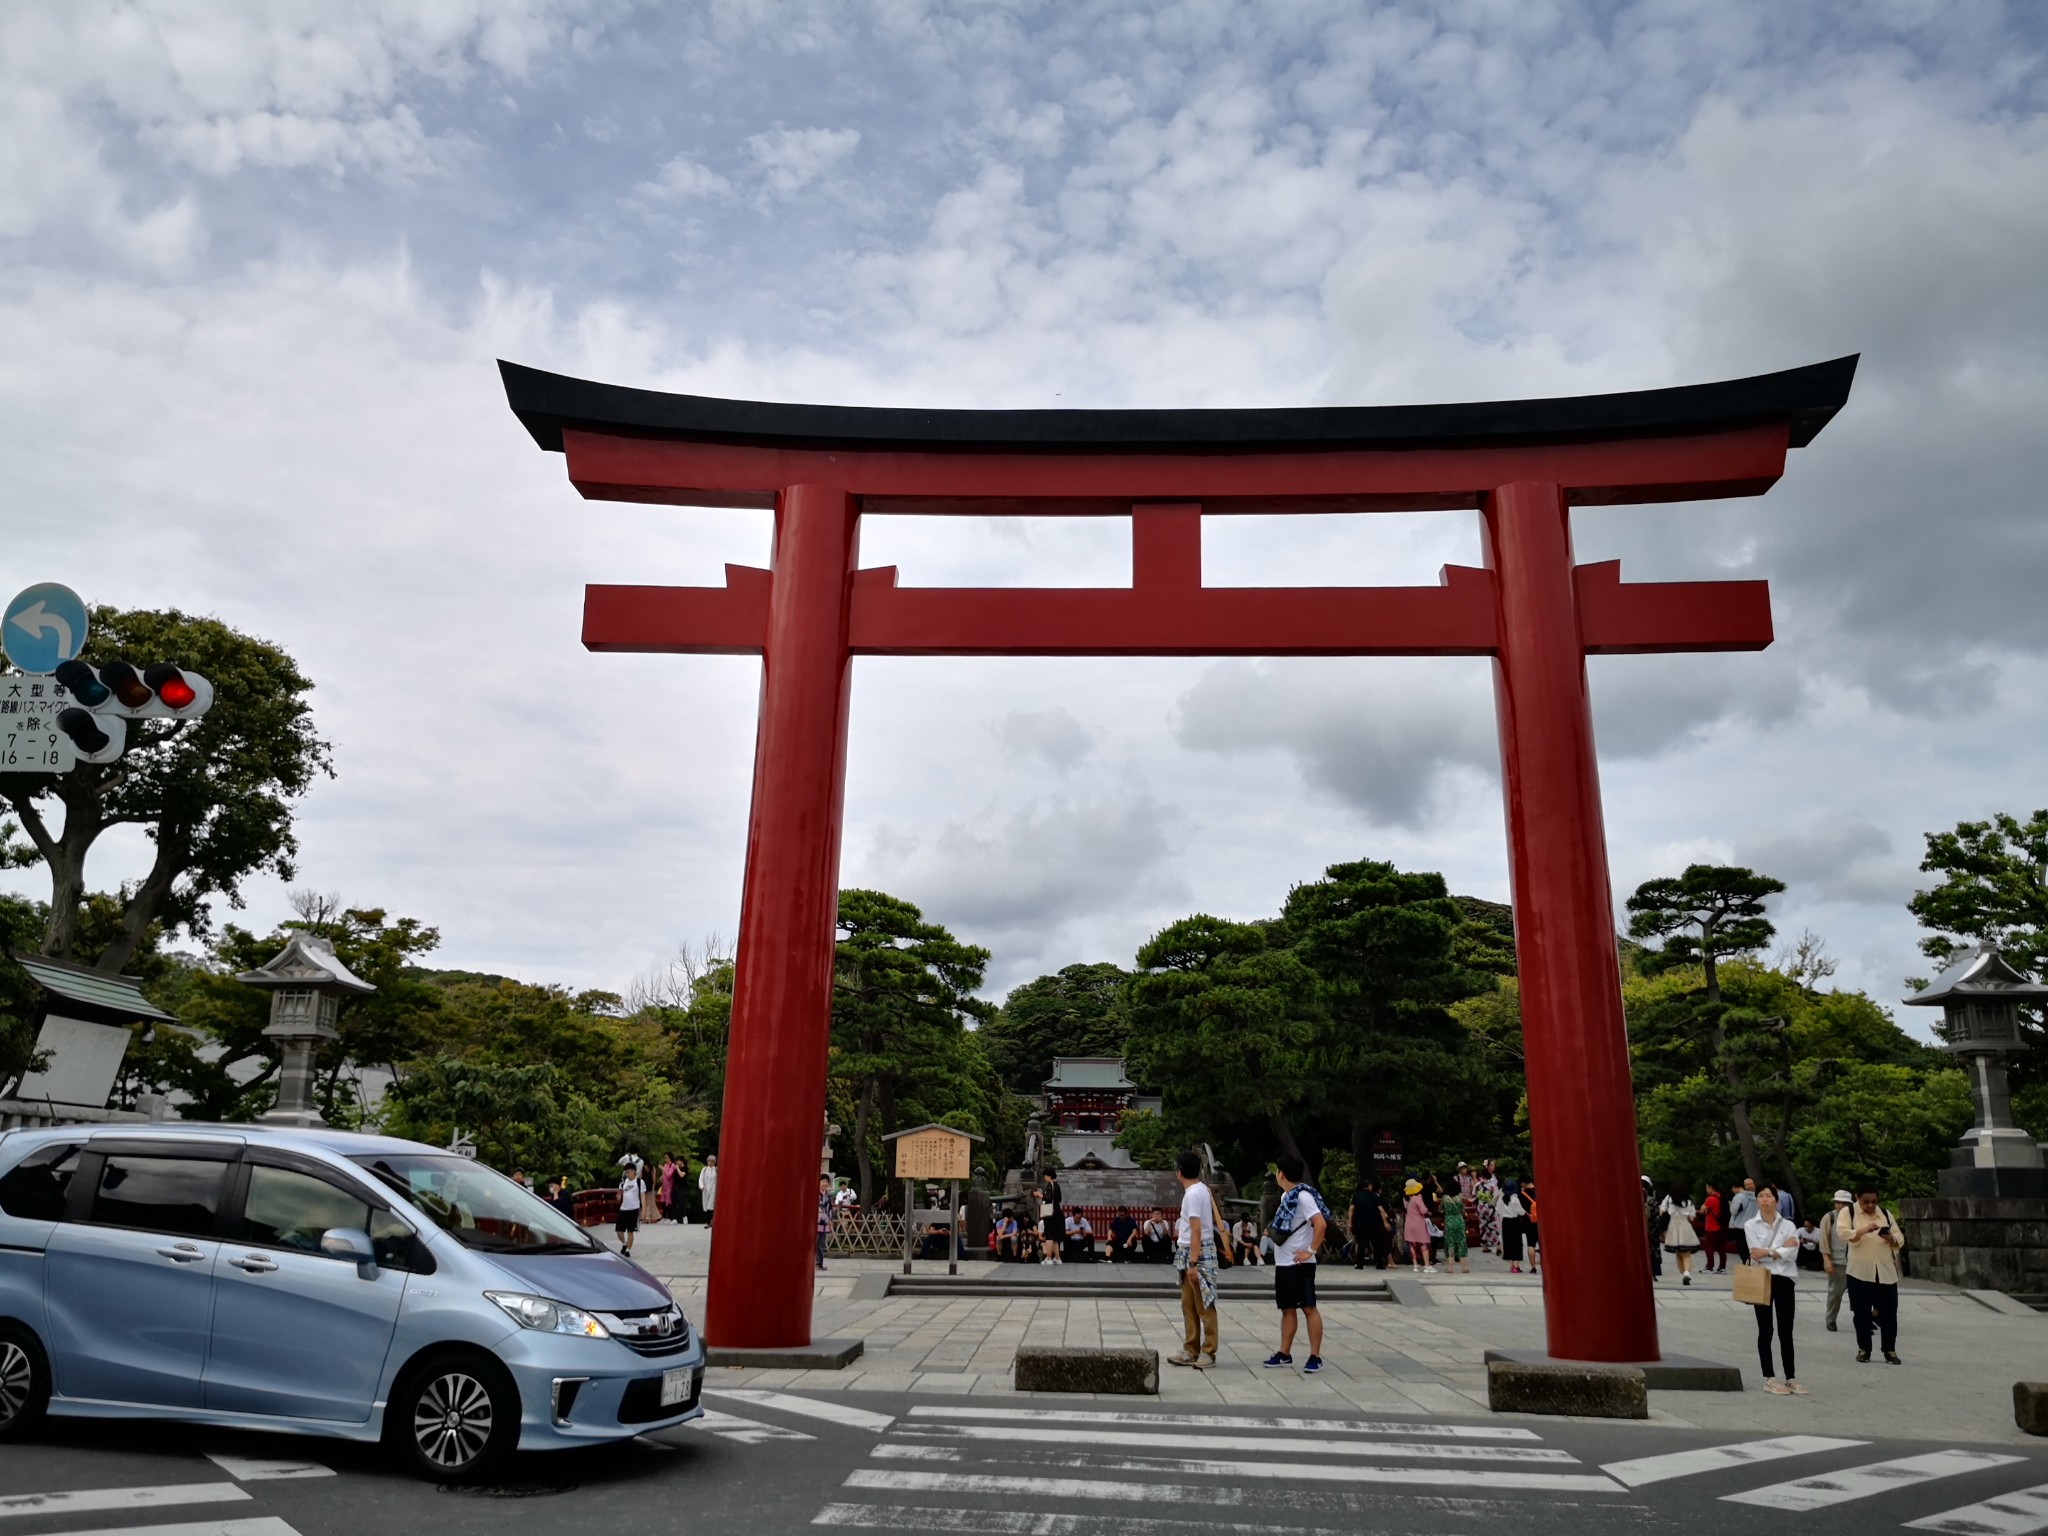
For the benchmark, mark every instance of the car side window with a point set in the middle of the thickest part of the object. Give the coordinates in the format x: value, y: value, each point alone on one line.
x: 288, y: 1209
x: 35, y: 1188
x: 285, y: 1208
x: 179, y: 1195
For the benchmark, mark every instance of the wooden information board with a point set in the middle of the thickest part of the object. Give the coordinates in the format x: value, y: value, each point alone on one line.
x: 935, y: 1153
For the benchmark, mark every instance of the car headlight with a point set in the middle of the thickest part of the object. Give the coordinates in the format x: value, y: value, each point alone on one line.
x: 544, y: 1316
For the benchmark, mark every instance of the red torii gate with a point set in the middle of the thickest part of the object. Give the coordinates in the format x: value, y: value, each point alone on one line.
x: 1521, y: 464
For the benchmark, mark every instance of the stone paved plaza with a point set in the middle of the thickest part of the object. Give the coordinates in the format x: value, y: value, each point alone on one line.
x: 1963, y: 1350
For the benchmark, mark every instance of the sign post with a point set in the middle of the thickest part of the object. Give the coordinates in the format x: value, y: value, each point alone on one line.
x: 934, y: 1152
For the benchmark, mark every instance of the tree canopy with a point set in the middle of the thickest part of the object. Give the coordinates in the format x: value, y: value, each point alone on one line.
x: 1080, y: 1010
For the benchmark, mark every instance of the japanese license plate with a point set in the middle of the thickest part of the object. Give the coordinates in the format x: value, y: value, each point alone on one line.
x: 675, y: 1386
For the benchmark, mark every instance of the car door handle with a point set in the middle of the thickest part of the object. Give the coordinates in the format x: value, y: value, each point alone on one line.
x: 253, y: 1264
x: 183, y: 1253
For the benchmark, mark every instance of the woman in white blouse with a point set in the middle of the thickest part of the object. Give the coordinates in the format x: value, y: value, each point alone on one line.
x: 1774, y: 1246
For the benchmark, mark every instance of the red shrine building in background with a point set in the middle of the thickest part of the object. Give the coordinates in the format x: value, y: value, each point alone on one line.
x: 1520, y: 466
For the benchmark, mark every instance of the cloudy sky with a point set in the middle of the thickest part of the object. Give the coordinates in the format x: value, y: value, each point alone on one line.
x: 257, y: 258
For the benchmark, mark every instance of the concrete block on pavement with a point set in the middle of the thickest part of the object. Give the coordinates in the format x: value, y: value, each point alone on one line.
x: 1582, y: 1391
x: 1133, y: 1372
x: 2030, y: 1406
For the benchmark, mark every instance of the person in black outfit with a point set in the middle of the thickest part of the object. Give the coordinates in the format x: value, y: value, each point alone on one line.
x: 1053, y: 1220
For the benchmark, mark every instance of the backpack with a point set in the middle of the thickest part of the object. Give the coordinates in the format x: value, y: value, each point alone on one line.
x: 1291, y: 1201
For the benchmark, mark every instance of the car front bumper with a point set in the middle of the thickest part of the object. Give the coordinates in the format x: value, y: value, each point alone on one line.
x: 585, y: 1391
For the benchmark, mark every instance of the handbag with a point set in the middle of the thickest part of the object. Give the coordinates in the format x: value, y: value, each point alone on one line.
x: 1751, y: 1284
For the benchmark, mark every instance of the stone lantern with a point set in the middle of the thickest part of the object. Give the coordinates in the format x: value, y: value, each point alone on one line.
x: 306, y: 984
x: 1980, y: 996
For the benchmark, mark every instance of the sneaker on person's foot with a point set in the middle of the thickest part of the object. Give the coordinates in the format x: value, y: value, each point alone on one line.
x: 1863, y: 1357
x: 1313, y: 1364
x: 1833, y: 1329
x: 1778, y: 1387
x: 1277, y: 1359
x: 1892, y: 1359
x: 1208, y: 1360
x: 1797, y: 1390
x: 1184, y: 1358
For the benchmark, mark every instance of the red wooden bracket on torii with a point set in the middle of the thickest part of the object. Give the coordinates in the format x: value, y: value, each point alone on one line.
x: 1166, y: 611
x: 1521, y: 465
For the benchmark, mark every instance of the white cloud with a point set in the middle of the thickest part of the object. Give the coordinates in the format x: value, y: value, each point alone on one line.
x: 682, y: 178
x: 793, y: 158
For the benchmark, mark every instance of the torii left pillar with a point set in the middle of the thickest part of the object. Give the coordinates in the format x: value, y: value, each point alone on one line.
x: 782, y: 983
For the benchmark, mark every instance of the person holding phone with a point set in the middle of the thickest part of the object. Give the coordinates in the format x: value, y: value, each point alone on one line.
x: 1774, y: 1246
x: 1874, y: 1237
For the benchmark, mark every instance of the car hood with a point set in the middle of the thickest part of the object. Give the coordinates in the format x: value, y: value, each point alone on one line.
x: 601, y: 1282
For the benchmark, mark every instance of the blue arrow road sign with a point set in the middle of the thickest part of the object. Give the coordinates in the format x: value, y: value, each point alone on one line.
x: 43, y: 627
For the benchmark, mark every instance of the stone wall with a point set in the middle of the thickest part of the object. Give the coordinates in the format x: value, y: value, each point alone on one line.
x: 1992, y: 1245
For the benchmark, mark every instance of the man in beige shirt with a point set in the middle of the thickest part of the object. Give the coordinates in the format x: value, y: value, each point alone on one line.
x: 1874, y: 1238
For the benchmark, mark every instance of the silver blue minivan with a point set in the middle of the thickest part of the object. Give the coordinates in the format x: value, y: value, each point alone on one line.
x: 322, y: 1282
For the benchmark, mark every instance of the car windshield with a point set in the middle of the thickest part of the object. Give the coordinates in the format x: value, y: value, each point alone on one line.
x: 477, y: 1206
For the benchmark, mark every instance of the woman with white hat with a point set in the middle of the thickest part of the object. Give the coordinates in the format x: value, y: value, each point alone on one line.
x: 1415, y: 1227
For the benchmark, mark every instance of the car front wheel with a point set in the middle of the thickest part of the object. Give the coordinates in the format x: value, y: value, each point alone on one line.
x: 457, y: 1420
x: 24, y: 1381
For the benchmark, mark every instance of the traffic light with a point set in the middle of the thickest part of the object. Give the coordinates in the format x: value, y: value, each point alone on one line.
x: 76, y: 676
x: 99, y: 738
x: 83, y: 730
x: 127, y: 685
x: 169, y: 684
x: 163, y: 692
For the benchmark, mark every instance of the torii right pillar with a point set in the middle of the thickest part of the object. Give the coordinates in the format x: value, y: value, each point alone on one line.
x: 1574, y: 1038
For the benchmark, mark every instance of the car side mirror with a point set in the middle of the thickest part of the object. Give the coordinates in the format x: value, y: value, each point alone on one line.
x: 351, y: 1245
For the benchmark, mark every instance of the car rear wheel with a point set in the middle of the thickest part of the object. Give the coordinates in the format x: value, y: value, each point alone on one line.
x: 457, y: 1420
x: 24, y: 1381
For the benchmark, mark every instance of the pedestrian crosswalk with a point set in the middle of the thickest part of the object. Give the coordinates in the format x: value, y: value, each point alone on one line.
x: 1026, y: 1471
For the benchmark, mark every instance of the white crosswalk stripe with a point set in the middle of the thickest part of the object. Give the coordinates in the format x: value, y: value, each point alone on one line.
x: 1718, y: 1458
x: 1238, y: 1421
x: 88, y: 1501
x: 1861, y: 1482
x: 250, y: 1469
x: 730, y: 1426
x: 2019, y: 1513
x: 989, y: 1471
x: 263, y: 1525
x: 807, y: 1407
x: 1129, y: 1439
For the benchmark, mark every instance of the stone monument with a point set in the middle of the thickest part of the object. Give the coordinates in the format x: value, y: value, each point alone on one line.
x: 1987, y: 1228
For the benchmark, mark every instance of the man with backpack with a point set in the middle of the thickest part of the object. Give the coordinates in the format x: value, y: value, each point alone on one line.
x: 1297, y: 1230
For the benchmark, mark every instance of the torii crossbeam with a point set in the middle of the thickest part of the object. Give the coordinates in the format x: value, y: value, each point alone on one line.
x: 1521, y: 464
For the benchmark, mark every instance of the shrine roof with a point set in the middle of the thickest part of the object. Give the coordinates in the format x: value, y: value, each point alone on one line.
x: 1805, y: 399
x: 1088, y: 1072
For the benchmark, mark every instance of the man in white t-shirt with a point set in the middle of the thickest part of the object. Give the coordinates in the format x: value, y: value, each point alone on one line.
x: 707, y: 1186
x: 1194, y: 1258
x: 1297, y: 1233
x: 632, y: 1182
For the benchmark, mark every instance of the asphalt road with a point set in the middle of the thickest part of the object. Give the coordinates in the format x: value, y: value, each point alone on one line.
x: 775, y: 1462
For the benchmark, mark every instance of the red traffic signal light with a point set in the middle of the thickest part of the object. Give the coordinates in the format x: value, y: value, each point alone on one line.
x: 168, y: 683
x: 126, y: 684
x: 83, y: 730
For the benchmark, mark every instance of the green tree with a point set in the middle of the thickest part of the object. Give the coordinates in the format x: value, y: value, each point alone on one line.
x: 1889, y: 1123
x: 1223, y: 1023
x: 215, y: 794
x: 1078, y: 1011
x: 1708, y: 913
x: 1390, y: 948
x: 902, y: 996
